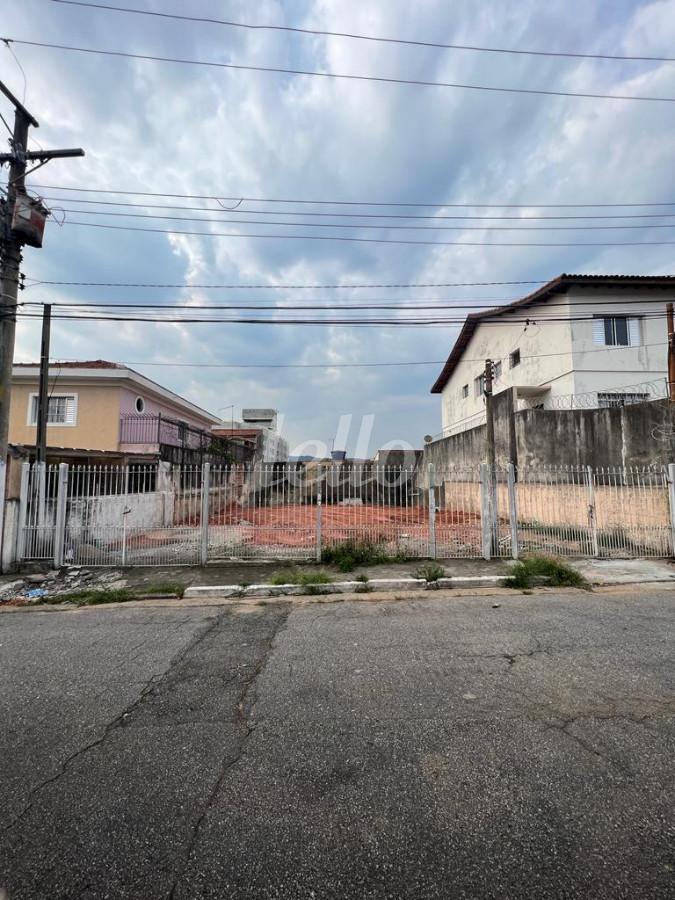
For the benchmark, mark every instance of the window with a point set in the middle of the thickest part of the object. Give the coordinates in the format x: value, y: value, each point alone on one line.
x: 609, y: 399
x: 498, y: 369
x: 465, y: 391
x: 479, y: 385
x: 140, y: 405
x: 616, y: 331
x: 514, y: 359
x: 61, y: 409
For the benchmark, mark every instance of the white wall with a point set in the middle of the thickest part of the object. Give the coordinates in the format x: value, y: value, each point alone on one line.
x: 619, y: 367
x: 567, y: 360
x: 498, y: 341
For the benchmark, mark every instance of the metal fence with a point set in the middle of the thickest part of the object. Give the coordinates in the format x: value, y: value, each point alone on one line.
x: 186, y: 515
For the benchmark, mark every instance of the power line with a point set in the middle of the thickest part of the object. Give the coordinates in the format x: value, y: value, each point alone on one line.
x: 341, y: 75
x: 297, y: 287
x: 365, y: 37
x: 352, y: 215
x: 363, y: 321
x: 334, y: 365
x: 452, y: 303
x: 243, y: 199
x: 97, y: 212
x: 336, y: 237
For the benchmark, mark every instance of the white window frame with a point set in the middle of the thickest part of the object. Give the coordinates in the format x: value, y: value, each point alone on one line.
x: 633, y: 330
x: 479, y: 385
x: 33, y: 404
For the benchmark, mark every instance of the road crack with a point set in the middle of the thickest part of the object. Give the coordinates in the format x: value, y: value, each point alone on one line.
x: 245, y: 703
x: 148, y: 687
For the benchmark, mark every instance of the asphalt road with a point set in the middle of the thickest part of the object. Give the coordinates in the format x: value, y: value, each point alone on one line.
x: 418, y: 749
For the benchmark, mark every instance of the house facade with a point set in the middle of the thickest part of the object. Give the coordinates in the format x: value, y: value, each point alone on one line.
x: 578, y: 342
x: 103, y: 406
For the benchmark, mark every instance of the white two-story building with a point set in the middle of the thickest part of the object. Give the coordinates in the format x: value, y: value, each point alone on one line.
x: 580, y: 341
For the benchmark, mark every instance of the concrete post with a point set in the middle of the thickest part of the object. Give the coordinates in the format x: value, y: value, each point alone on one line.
x: 23, y: 512
x: 432, y: 511
x: 671, y: 502
x: 592, y: 520
x: 513, y: 509
x: 204, y: 520
x: 486, y: 510
x: 3, y: 501
x: 60, y: 520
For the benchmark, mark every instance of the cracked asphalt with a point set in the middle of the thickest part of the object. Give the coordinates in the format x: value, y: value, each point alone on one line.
x: 426, y: 748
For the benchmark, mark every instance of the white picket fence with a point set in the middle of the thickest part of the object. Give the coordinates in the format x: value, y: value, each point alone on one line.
x: 162, y: 515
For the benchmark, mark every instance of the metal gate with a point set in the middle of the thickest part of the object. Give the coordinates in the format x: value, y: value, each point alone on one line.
x: 186, y: 515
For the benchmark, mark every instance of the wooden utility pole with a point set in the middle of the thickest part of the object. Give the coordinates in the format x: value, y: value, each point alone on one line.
x: 12, y: 241
x: 43, y: 395
x: 489, y: 417
x: 671, y: 352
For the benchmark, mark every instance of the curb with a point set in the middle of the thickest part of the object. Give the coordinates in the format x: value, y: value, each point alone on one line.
x: 237, y: 591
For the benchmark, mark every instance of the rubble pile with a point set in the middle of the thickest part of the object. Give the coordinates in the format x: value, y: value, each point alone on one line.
x: 44, y: 587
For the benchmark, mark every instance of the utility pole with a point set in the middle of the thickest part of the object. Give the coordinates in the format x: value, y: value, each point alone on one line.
x: 490, y: 456
x: 671, y: 352
x: 43, y: 395
x: 14, y: 233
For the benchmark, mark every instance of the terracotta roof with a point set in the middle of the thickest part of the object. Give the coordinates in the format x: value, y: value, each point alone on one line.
x: 84, y: 364
x: 558, y: 285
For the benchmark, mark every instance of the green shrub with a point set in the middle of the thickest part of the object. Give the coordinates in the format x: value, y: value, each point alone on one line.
x: 362, y: 578
x: 558, y: 574
x: 429, y: 572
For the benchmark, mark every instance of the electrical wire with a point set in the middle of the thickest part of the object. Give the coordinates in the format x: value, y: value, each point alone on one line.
x: 453, y: 303
x: 362, y: 240
x: 334, y: 365
x: 338, y: 75
x: 363, y: 37
x: 355, y: 215
x: 368, y: 226
x: 297, y: 287
x: 244, y: 199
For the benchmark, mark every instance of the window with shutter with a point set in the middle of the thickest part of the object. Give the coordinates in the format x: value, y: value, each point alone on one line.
x: 616, y: 331
x: 61, y: 409
x: 634, y: 334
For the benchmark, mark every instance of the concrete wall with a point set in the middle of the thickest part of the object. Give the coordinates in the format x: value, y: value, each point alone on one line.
x: 642, y: 434
x: 467, y: 448
x: 97, y: 419
x: 638, y: 435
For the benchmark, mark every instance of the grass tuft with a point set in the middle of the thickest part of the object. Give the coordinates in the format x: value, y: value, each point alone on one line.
x: 349, y: 554
x: 304, y: 577
x: 429, y: 572
x: 558, y: 574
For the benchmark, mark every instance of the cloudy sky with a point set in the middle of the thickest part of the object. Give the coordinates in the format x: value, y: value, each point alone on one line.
x: 181, y: 129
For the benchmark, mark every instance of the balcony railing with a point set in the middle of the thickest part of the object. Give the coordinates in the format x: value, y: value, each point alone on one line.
x: 158, y: 429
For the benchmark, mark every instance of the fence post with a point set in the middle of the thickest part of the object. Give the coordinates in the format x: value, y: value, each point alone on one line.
x: 432, y: 512
x: 513, y: 509
x: 318, y: 522
x: 23, y: 512
x: 671, y: 502
x: 60, y: 519
x: 486, y: 510
x: 204, y: 520
x: 592, y: 520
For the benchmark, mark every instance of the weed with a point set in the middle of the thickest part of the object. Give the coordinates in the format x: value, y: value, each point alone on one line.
x: 304, y: 577
x: 92, y: 597
x: 350, y: 554
x: 429, y: 572
x: 558, y: 574
x: 362, y: 578
x: 163, y: 587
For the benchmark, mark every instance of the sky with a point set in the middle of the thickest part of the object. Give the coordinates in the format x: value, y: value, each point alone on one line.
x: 181, y: 129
